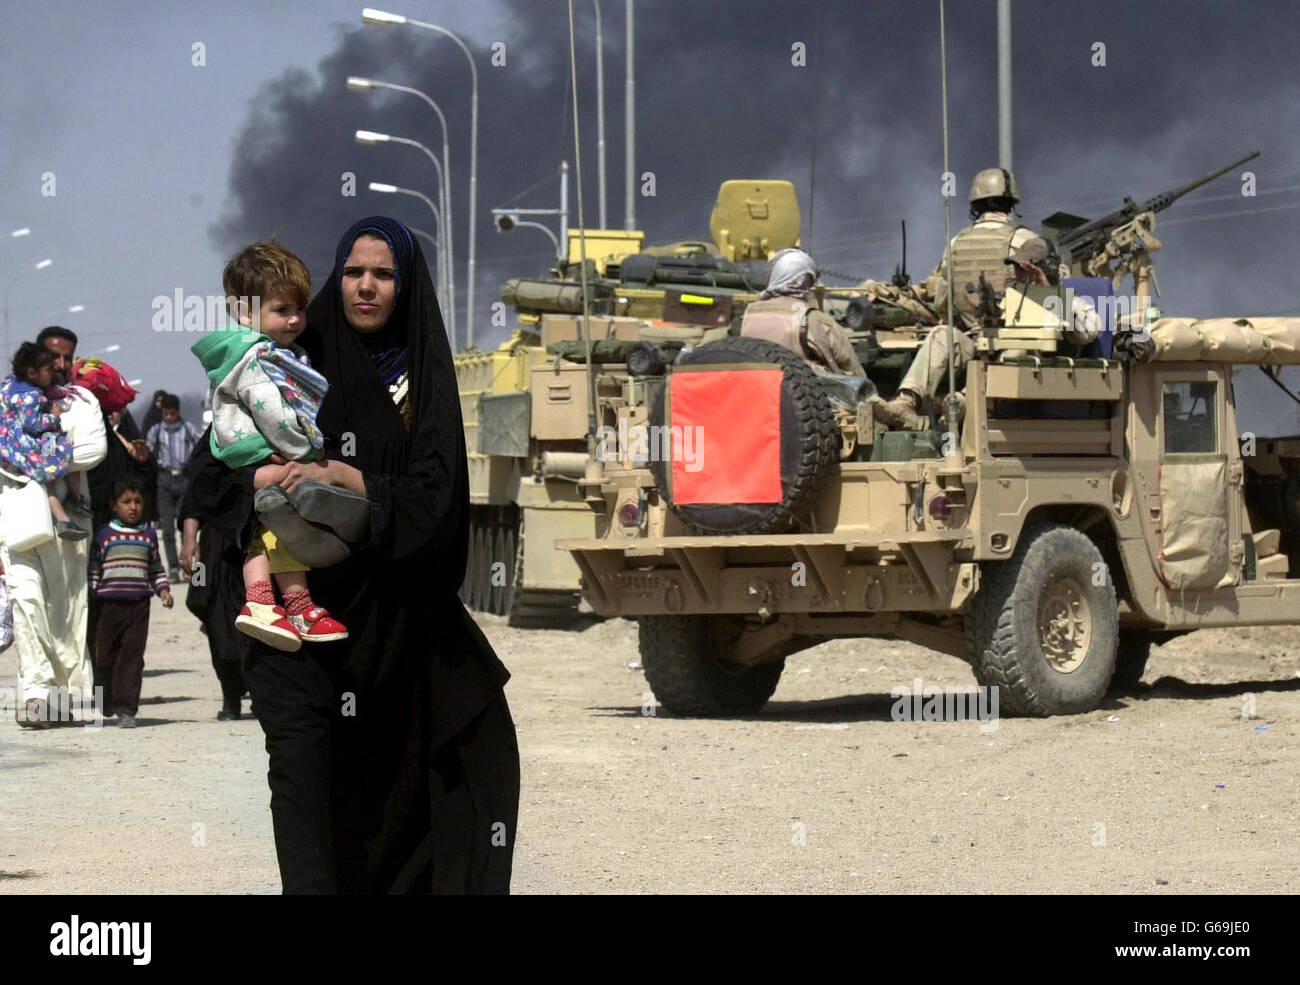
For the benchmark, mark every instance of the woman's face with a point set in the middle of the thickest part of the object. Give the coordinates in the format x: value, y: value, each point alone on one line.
x: 369, y: 284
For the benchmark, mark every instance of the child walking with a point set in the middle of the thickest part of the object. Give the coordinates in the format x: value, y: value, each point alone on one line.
x: 32, y: 441
x: 264, y: 402
x: 125, y: 572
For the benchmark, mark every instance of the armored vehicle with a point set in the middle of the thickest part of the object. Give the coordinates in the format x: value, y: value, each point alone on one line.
x: 1087, y: 507
x: 525, y: 404
x: 1091, y: 508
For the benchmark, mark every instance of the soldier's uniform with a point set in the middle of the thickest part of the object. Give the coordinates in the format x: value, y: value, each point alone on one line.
x: 795, y: 323
x: 982, y: 247
x: 930, y: 366
x: 785, y: 315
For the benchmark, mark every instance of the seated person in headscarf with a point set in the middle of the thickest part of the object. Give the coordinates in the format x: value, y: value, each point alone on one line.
x: 264, y: 404
x: 787, y: 314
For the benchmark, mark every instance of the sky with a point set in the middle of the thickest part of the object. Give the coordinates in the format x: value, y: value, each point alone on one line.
x: 162, y: 167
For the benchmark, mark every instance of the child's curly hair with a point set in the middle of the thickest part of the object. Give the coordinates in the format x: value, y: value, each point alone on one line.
x: 262, y: 269
x: 31, y: 356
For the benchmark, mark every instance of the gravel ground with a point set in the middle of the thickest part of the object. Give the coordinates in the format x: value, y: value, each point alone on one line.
x: 1170, y: 791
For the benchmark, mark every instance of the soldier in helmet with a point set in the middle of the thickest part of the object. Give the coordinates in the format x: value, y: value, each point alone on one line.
x: 981, y: 247
x: 1031, y: 261
x: 787, y: 314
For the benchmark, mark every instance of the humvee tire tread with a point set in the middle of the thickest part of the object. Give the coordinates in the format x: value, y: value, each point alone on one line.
x: 679, y: 657
x: 818, y: 433
x: 1006, y: 657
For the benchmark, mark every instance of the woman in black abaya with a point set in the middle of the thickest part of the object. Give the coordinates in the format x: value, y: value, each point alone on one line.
x: 393, y: 760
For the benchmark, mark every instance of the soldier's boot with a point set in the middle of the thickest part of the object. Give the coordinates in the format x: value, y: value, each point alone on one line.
x: 900, y: 413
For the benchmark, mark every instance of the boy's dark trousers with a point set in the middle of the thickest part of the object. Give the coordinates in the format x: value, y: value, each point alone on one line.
x: 120, y: 637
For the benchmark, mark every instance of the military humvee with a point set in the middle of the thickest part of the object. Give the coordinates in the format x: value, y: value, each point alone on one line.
x: 525, y: 404
x: 1089, y: 508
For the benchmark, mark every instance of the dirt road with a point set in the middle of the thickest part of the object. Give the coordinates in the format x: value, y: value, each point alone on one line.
x: 1171, y: 791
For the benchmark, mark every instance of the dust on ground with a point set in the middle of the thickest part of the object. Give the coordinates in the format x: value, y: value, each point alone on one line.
x: 1173, y: 790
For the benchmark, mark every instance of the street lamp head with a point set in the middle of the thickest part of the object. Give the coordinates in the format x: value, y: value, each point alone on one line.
x: 358, y: 84
x: 21, y: 232
x: 369, y: 137
x: 76, y: 308
x: 379, y: 186
x: 44, y: 263
x: 380, y: 18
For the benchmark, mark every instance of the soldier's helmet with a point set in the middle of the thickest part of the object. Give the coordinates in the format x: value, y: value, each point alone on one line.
x: 994, y: 183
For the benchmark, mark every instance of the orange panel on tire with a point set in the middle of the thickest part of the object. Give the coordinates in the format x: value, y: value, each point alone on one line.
x: 737, y: 450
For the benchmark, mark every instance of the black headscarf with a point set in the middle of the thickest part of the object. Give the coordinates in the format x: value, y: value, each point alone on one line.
x: 417, y: 482
x: 357, y: 366
x: 388, y: 348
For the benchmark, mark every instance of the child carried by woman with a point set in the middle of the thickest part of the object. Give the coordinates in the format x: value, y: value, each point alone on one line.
x: 32, y: 441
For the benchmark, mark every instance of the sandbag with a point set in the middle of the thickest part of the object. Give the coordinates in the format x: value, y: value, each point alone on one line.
x: 1257, y: 341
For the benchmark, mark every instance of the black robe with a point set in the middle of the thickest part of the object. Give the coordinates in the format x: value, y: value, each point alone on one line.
x: 394, y: 763
x: 217, y: 597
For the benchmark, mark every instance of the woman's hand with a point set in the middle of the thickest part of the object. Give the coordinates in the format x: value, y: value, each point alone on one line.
x: 330, y: 473
x: 189, y: 545
x: 139, y: 450
x: 270, y: 475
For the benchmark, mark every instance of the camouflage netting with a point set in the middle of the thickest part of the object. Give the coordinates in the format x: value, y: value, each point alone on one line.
x: 1271, y: 341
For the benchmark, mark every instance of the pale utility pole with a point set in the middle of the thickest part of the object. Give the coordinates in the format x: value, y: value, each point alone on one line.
x: 629, y: 117
x: 1004, y: 84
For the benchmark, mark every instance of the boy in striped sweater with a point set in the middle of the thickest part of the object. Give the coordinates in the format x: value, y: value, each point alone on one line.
x: 125, y: 572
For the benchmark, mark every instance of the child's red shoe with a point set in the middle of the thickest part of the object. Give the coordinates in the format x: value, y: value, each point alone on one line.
x: 269, y: 624
x: 316, y: 625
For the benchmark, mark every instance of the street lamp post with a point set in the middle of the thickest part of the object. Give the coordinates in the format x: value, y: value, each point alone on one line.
x: 370, y: 138
x: 600, y: 109
x: 358, y: 84
x: 433, y: 241
x: 41, y: 265
x: 383, y: 18
x: 387, y: 189
x: 508, y: 218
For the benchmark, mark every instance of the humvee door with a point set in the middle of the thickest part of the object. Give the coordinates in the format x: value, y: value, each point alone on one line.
x: 1198, y: 479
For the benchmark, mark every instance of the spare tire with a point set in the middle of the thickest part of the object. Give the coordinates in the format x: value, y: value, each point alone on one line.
x: 809, y: 440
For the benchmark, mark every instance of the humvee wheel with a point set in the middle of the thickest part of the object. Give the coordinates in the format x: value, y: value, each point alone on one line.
x: 1064, y: 623
x: 1042, y: 631
x: 1131, y: 659
x: 683, y: 658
